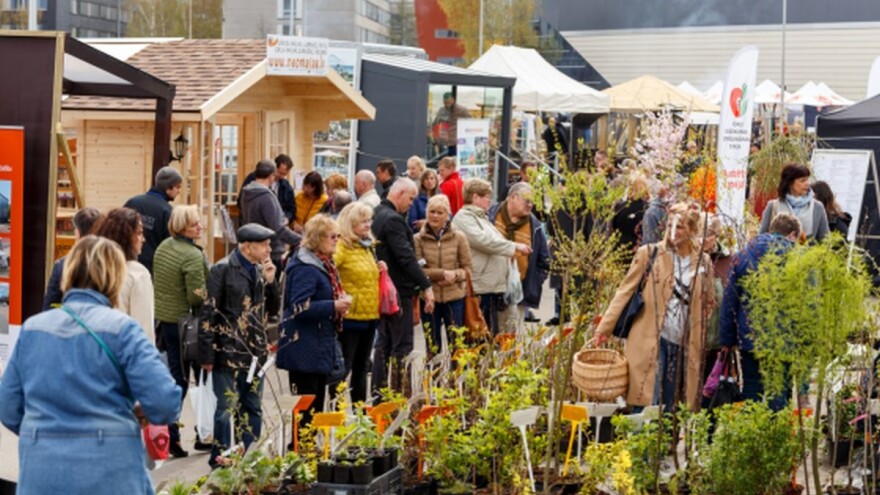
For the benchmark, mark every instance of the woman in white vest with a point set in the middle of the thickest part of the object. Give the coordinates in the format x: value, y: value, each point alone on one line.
x: 796, y: 197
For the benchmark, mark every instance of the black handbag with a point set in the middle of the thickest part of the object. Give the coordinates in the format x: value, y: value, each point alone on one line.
x: 188, y: 327
x: 728, y: 391
x: 635, y: 304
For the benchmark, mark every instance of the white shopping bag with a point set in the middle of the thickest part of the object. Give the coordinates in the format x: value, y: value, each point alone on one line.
x: 204, y: 404
x: 514, y: 293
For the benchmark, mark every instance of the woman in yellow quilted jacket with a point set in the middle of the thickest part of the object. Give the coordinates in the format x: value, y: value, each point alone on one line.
x: 359, y: 272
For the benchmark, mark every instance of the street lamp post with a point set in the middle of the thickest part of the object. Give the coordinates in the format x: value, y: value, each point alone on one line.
x: 481, y: 28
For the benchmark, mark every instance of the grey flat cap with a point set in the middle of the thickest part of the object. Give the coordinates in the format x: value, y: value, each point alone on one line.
x: 254, y: 232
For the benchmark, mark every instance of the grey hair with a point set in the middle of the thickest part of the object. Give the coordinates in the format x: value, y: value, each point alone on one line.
x: 519, y: 189
x: 403, y: 184
x: 366, y: 176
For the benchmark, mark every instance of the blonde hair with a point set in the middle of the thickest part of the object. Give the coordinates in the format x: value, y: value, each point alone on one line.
x: 418, y: 162
x: 316, y: 229
x: 690, y: 217
x: 475, y: 186
x: 182, y: 216
x: 351, y: 215
x: 336, y: 181
x: 95, y: 263
x: 439, y: 200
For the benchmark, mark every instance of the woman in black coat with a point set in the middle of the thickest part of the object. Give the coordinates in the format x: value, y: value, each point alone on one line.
x: 838, y: 220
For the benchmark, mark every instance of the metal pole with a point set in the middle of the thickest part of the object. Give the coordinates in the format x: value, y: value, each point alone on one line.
x: 118, y: 18
x: 782, y: 92
x: 32, y: 15
x: 481, y: 28
x: 190, y: 19
x: 292, y: 31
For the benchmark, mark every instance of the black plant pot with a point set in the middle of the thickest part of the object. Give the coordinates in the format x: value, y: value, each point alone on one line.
x: 341, y: 474
x: 424, y: 488
x: 839, y: 456
x: 325, y: 473
x: 567, y: 488
x: 362, y: 474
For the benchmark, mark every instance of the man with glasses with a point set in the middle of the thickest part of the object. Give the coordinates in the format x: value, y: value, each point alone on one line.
x: 513, y: 217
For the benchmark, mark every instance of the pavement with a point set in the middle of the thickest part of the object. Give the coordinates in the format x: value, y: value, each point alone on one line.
x: 194, y: 466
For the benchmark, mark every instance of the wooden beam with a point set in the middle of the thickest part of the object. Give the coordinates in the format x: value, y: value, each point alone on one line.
x: 151, y: 84
x: 162, y: 134
x: 104, y: 89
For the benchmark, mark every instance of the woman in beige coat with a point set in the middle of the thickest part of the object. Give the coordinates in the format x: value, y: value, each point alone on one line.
x: 678, y: 296
x: 446, y: 259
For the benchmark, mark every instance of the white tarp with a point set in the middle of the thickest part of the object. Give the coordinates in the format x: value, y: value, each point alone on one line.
x: 817, y: 95
x: 769, y: 92
x: 539, y: 85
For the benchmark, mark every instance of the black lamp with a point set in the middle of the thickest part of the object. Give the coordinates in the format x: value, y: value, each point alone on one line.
x: 181, y: 145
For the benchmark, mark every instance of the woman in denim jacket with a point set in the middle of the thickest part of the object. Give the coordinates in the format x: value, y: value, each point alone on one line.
x: 74, y: 413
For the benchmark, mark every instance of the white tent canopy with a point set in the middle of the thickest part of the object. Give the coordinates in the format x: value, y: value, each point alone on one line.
x: 689, y: 88
x: 769, y: 92
x: 540, y: 87
x: 817, y: 95
x: 713, y: 94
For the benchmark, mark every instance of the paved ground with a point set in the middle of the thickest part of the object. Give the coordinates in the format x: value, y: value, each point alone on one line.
x: 196, y: 465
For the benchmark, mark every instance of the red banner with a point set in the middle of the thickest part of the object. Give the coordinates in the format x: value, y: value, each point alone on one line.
x: 11, y: 215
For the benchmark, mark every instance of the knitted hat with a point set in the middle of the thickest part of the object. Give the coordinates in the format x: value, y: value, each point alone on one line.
x: 167, y: 177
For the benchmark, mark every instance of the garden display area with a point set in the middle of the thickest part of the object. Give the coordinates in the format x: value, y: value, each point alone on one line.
x: 544, y: 411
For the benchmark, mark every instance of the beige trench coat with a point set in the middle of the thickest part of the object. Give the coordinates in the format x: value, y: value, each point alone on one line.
x: 641, y: 346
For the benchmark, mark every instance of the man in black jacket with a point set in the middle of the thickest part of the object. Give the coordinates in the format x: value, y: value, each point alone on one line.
x: 260, y: 205
x: 241, y: 292
x: 396, y: 248
x: 386, y: 173
x: 281, y: 187
x: 155, y: 210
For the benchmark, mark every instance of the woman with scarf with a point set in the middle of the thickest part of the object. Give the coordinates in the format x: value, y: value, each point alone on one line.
x: 796, y: 197
x: 314, y: 308
x: 666, y: 340
x: 359, y: 272
x: 447, y: 262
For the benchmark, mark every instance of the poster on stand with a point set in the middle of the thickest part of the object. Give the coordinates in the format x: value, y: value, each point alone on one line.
x: 472, y: 147
x: 11, y: 214
x: 735, y: 133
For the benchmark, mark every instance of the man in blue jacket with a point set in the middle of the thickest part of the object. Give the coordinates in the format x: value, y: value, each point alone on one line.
x: 735, y: 328
x: 513, y: 217
x: 154, y: 206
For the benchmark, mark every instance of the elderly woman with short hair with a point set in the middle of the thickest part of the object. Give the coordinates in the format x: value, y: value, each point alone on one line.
x: 447, y: 262
x: 80, y: 379
x: 359, y: 273
x: 314, y: 308
x: 180, y: 272
x: 490, y: 251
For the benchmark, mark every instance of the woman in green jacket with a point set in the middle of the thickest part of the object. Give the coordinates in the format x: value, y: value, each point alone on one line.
x: 180, y: 270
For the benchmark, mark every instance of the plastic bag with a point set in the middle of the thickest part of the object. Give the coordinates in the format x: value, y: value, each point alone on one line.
x: 388, y: 302
x: 514, y: 293
x: 204, y: 404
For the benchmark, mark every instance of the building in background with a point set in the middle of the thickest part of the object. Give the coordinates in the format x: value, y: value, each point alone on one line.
x: 434, y: 34
x: 81, y: 18
x: 346, y: 20
x: 693, y: 40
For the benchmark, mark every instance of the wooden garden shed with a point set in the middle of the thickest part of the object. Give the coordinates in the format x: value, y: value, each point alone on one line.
x: 229, y: 111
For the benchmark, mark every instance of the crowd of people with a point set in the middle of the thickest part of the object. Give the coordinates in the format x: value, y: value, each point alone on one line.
x: 312, y: 263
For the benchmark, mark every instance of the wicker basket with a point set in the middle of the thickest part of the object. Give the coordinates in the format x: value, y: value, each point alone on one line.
x: 601, y: 374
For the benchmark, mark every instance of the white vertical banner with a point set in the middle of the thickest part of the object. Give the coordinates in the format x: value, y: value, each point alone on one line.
x: 874, y: 79
x: 735, y: 132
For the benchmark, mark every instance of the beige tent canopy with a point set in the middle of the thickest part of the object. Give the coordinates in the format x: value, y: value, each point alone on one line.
x: 650, y: 93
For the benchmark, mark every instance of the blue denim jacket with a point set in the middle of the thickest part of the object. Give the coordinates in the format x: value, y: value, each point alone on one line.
x: 68, y: 403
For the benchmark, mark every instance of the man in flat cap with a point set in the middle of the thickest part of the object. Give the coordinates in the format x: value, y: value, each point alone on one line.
x: 242, y: 292
x: 155, y: 210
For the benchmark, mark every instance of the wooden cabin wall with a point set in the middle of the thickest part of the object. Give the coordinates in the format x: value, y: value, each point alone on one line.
x: 114, y: 161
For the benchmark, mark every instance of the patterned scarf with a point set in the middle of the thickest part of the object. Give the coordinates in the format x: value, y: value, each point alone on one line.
x: 335, y: 283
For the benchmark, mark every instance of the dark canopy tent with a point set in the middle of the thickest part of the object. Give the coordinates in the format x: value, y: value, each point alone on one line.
x: 858, y: 127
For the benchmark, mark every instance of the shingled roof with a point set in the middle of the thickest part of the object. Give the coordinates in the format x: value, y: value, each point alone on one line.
x: 198, y: 68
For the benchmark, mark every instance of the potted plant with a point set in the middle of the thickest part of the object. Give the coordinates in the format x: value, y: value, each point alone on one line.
x: 841, y: 436
x: 753, y: 450
x: 325, y: 471
x: 765, y: 166
x: 362, y: 469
